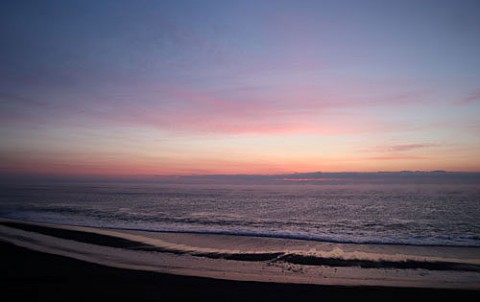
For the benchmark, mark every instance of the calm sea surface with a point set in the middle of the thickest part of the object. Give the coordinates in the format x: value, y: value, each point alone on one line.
x: 416, y: 214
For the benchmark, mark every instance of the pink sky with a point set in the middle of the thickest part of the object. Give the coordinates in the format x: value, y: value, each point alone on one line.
x: 239, y: 88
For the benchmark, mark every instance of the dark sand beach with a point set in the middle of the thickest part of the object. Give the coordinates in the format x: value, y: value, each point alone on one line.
x: 32, y: 275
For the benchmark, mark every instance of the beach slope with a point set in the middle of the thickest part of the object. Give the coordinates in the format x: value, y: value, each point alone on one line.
x: 49, y: 263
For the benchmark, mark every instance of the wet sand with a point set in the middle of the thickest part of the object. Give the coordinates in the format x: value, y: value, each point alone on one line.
x: 76, y: 263
x: 33, y: 276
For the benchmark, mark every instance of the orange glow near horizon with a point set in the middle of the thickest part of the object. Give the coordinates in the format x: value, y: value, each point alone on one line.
x: 283, y: 161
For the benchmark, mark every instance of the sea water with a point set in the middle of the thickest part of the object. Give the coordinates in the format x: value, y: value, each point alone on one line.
x: 430, y: 214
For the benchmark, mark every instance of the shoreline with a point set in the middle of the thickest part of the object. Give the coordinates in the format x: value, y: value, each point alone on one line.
x: 253, y: 259
x: 36, y: 276
x: 246, y: 256
x: 293, y: 237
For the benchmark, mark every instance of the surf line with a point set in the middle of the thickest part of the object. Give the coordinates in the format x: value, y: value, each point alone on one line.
x: 273, y: 257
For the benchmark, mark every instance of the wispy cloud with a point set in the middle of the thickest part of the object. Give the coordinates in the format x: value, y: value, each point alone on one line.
x: 16, y: 108
x: 473, y: 97
x: 396, y: 158
x: 399, y: 148
x: 408, y: 147
x: 399, y: 152
x: 192, y: 112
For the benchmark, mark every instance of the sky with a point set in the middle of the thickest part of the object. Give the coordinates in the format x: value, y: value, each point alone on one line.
x: 238, y: 87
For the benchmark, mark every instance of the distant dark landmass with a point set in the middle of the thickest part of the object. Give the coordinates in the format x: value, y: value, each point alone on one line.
x: 335, y: 177
x: 381, y: 177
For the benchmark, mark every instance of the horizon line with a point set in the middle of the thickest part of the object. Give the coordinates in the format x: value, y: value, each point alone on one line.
x: 23, y: 174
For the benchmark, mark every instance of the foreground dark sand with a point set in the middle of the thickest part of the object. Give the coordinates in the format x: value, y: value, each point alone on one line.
x: 34, y: 276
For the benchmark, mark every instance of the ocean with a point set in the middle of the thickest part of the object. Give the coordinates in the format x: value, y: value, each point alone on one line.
x: 407, y: 213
